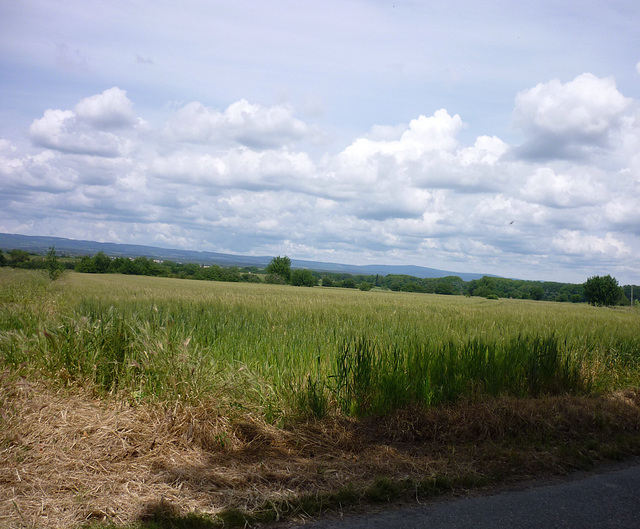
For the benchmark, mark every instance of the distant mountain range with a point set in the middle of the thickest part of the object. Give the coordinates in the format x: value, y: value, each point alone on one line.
x: 74, y: 247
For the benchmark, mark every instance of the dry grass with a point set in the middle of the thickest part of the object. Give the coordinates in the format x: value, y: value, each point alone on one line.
x: 67, y: 459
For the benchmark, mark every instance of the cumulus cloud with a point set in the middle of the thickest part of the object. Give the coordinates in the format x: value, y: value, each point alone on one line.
x: 110, y: 109
x: 426, y: 155
x: 22, y: 175
x: 81, y: 131
x: 585, y: 245
x: 239, y: 168
x: 486, y: 150
x: 253, y: 126
x: 569, y: 120
x: 623, y: 212
x: 545, y: 186
x: 60, y: 130
x: 424, y: 135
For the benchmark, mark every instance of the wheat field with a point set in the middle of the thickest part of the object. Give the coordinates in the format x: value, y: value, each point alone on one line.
x: 282, y: 350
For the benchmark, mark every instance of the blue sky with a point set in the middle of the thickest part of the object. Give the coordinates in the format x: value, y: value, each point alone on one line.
x: 490, y: 137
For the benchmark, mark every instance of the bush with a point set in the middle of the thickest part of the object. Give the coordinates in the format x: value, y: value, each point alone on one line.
x: 303, y: 278
x: 349, y: 282
x: 251, y: 278
x: 275, y: 279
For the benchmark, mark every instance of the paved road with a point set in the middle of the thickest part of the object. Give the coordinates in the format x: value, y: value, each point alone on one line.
x: 608, y: 500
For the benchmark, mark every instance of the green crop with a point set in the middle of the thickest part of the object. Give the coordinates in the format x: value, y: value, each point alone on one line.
x: 280, y: 350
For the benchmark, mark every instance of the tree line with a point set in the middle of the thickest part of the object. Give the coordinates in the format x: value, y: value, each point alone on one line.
x: 603, y: 291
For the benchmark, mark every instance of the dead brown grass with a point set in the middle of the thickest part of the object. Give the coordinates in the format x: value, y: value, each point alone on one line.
x: 67, y: 458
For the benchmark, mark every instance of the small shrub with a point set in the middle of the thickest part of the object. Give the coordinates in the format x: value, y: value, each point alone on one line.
x: 303, y: 278
x: 275, y: 279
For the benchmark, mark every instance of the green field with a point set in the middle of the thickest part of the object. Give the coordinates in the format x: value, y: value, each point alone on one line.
x: 153, y: 402
x: 282, y: 351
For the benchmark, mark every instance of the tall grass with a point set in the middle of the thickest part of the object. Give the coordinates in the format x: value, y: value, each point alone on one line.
x: 371, y: 379
x: 278, y: 349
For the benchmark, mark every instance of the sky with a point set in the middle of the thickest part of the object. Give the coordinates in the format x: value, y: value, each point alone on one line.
x: 488, y: 137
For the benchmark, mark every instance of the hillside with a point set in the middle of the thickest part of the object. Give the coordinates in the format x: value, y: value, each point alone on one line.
x: 39, y: 244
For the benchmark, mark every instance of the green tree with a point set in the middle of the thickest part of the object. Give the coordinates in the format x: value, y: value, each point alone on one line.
x: 18, y: 257
x: 349, y: 282
x: 120, y: 265
x: 536, y: 292
x: 326, y: 281
x: 602, y: 291
x: 444, y: 288
x: 303, y: 278
x: 143, y: 266
x: 274, y: 279
x: 52, y: 264
x: 483, y: 291
x: 280, y: 266
x: 86, y: 265
x: 3, y: 259
x: 101, y: 262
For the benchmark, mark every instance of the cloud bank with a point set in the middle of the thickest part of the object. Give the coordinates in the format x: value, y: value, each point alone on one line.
x: 560, y: 204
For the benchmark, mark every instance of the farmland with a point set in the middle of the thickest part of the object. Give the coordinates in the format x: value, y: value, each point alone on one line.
x: 244, y: 366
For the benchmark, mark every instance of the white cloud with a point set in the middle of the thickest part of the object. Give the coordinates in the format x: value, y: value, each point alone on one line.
x: 545, y: 186
x: 585, y: 246
x: 238, y: 168
x: 507, y: 214
x: 79, y: 131
x: 569, y: 120
x: 486, y: 150
x: 624, y: 212
x: 426, y: 155
x: 22, y: 175
x: 6, y: 147
x: 60, y: 130
x: 110, y: 109
x: 250, y: 125
x: 425, y: 135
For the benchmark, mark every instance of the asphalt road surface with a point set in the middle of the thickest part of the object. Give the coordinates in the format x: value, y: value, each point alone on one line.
x: 606, y: 500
